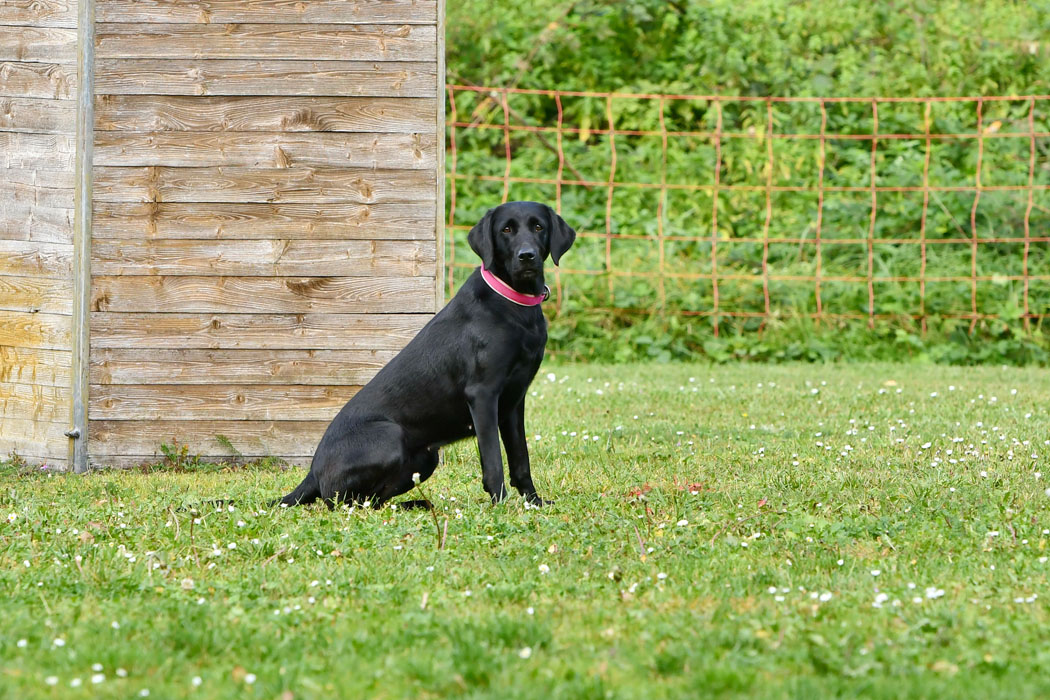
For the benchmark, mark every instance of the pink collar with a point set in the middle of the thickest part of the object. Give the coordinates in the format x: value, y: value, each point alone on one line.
x: 507, y: 292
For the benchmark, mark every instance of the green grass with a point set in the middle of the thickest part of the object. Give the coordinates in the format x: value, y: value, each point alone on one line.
x: 762, y: 583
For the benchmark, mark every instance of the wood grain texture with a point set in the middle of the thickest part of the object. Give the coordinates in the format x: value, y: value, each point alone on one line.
x: 32, y: 115
x: 249, y: 438
x: 328, y: 42
x: 36, y: 66
x: 28, y: 330
x: 148, y: 113
x: 216, y: 402
x: 54, y: 179
x: 264, y: 233
x: 339, y: 221
x: 36, y: 187
x: 36, y: 295
x: 20, y: 221
x: 48, y: 80
x: 262, y: 295
x: 275, y: 11
x: 156, y: 459
x: 34, y: 259
x: 440, y: 198
x: 37, y: 151
x: 35, y: 366
x: 160, y: 367
x: 38, y: 403
x: 245, y: 185
x: 36, y: 441
x: 265, y: 150
x: 39, y: 13
x: 237, y: 77
x: 43, y: 200
x: 264, y: 258
x: 38, y: 44
x: 251, y: 331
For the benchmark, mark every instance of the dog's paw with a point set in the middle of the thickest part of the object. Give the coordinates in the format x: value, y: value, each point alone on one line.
x: 534, y: 501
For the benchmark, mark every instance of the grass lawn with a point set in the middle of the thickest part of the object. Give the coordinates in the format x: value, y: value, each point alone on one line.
x: 792, y: 531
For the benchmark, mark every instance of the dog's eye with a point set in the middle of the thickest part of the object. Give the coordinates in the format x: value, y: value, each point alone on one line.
x: 506, y: 229
x: 538, y: 228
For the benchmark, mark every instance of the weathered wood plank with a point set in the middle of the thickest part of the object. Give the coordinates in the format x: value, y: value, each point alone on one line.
x: 28, y: 114
x: 47, y: 80
x: 34, y: 259
x: 38, y: 403
x: 36, y: 366
x: 39, y: 13
x: 269, y: 150
x: 38, y: 44
x: 249, y: 438
x: 34, y: 195
x: 245, y: 185
x: 122, y: 76
x: 266, y: 41
x: 35, y: 295
x: 264, y: 258
x: 306, y: 367
x: 269, y: 11
x: 20, y: 221
x: 439, y: 182
x: 36, y: 187
x: 128, y: 461
x: 28, y: 330
x: 251, y: 331
x: 36, y: 441
x: 339, y: 221
x: 216, y: 402
x: 55, y: 179
x: 261, y: 295
x: 147, y: 113
x: 37, y: 151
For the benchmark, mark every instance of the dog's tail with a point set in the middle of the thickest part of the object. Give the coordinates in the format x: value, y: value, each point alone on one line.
x: 306, y: 492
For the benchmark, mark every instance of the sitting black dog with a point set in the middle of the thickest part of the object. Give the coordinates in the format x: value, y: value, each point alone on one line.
x: 465, y: 373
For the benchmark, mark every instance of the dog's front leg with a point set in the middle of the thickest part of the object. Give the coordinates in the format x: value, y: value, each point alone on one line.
x: 512, y: 430
x: 484, y: 410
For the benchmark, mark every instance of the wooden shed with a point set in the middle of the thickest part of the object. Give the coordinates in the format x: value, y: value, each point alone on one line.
x: 218, y: 218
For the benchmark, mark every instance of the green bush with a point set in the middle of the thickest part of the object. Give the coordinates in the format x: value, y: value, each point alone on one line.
x: 762, y: 48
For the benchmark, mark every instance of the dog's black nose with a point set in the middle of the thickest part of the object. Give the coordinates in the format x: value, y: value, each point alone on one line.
x: 527, y: 255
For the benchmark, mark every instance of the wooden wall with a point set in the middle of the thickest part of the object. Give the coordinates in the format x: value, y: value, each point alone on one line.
x: 265, y: 216
x: 38, y: 80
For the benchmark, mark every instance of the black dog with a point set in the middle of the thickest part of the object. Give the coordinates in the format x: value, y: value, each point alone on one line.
x: 465, y: 373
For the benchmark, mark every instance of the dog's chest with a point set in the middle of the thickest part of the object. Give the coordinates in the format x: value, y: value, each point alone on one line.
x: 524, y: 365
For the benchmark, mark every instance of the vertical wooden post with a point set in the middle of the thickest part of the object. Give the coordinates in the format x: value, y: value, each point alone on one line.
x: 439, y: 231
x: 78, y: 434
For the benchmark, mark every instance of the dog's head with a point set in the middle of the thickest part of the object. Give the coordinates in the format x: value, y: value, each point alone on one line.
x: 515, y: 238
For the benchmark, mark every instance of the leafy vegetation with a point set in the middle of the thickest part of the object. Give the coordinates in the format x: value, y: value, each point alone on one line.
x: 758, y: 48
x: 768, y: 532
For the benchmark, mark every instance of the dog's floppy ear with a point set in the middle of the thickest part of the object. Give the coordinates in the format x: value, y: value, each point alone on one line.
x: 562, y: 236
x: 480, y: 239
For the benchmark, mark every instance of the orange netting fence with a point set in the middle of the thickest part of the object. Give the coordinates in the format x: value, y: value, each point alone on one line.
x: 747, y: 208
